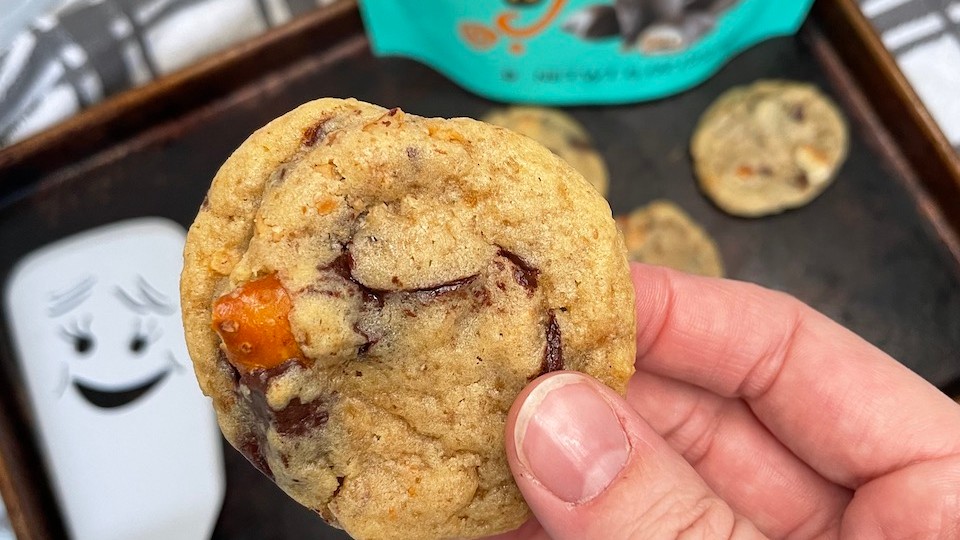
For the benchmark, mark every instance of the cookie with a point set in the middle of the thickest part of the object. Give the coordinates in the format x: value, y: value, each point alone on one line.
x: 663, y: 234
x: 366, y: 291
x: 561, y: 134
x: 768, y: 147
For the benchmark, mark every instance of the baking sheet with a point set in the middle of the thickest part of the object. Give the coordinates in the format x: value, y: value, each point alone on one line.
x: 863, y: 252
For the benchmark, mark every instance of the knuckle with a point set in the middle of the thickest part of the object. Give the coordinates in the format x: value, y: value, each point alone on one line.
x: 709, y: 518
x: 706, y: 517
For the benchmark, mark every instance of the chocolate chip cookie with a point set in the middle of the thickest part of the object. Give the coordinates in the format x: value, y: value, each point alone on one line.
x: 561, y: 134
x: 768, y: 147
x: 366, y: 291
x: 663, y: 234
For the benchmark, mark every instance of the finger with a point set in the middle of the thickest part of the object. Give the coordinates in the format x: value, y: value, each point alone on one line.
x: 739, y: 459
x: 833, y: 399
x: 590, y: 467
x: 918, y: 501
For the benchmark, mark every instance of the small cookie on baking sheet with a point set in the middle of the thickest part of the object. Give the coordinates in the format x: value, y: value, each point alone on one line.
x: 561, y: 134
x: 768, y: 147
x: 662, y: 234
x: 365, y: 292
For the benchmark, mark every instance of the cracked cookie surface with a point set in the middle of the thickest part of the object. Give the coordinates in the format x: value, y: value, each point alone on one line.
x: 366, y: 291
x: 768, y: 147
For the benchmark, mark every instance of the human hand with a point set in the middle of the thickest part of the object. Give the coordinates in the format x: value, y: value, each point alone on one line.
x: 750, y: 415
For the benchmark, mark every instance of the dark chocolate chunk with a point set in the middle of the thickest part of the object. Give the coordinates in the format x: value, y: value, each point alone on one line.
x: 553, y: 352
x: 798, y: 113
x: 371, y: 340
x: 259, y: 379
x: 429, y: 293
x: 315, y: 133
x: 250, y: 448
x: 523, y: 272
x: 802, y: 180
x: 593, y: 22
x: 297, y: 418
x: 372, y: 296
x: 343, y: 267
x: 363, y: 349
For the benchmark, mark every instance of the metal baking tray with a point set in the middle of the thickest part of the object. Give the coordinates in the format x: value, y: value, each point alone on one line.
x: 878, y: 251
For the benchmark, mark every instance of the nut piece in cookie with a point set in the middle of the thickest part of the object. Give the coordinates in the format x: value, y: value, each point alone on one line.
x: 561, y: 134
x: 768, y: 147
x: 252, y: 321
x: 366, y: 292
x: 662, y: 234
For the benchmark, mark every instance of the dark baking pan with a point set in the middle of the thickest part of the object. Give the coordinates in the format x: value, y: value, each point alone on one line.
x: 877, y: 251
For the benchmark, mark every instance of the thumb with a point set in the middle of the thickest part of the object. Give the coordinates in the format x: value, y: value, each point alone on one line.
x: 590, y: 467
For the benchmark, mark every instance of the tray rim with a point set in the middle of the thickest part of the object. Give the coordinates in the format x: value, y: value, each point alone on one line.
x: 134, y: 110
x: 912, y: 139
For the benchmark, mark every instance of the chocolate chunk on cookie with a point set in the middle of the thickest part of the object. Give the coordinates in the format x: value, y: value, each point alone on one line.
x: 366, y: 292
x: 768, y: 147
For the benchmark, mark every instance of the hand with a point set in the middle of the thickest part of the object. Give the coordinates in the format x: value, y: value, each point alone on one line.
x: 750, y: 415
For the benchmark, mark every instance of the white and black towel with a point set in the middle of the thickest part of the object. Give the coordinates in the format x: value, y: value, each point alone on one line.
x: 85, y: 50
x: 924, y: 36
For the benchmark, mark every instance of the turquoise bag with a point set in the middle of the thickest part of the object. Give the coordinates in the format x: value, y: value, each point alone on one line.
x: 570, y: 52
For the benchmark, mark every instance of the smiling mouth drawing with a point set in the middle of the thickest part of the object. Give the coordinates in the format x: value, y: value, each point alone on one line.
x: 109, y: 399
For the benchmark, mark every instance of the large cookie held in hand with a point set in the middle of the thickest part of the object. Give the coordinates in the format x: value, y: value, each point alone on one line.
x: 365, y: 292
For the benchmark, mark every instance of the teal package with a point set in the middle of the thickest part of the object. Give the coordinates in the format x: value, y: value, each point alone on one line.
x: 576, y: 52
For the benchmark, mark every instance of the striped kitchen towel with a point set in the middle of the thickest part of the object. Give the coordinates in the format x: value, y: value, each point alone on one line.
x: 86, y: 50
x: 924, y: 36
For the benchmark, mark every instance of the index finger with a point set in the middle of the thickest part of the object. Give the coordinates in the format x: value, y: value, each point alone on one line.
x: 843, y: 406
